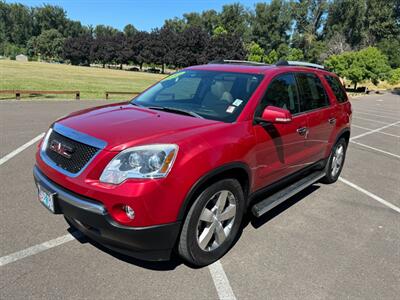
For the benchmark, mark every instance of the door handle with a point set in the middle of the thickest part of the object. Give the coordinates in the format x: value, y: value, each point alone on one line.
x: 302, y: 130
x: 332, y: 121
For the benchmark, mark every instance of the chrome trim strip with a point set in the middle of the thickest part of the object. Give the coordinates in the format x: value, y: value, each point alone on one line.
x: 79, y: 136
x: 73, y: 135
x: 67, y: 197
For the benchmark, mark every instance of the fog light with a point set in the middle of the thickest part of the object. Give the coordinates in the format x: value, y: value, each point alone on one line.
x: 129, y: 212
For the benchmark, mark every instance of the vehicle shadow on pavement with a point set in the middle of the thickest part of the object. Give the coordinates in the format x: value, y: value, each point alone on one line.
x: 151, y: 265
x: 258, y: 222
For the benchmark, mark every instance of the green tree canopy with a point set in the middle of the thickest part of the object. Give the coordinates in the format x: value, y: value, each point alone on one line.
x: 271, y: 24
x: 255, y: 52
x: 49, y: 44
x: 367, y: 64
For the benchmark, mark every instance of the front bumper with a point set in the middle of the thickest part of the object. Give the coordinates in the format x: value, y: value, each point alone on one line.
x: 92, y: 219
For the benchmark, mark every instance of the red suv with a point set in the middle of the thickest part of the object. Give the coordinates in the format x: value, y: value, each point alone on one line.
x: 178, y: 166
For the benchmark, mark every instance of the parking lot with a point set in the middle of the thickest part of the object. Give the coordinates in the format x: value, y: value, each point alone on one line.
x: 330, y: 241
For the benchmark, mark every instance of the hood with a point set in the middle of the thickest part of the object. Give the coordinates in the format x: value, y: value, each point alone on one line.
x: 123, y: 126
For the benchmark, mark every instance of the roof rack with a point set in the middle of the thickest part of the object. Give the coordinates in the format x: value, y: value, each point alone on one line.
x: 299, y: 63
x: 242, y: 62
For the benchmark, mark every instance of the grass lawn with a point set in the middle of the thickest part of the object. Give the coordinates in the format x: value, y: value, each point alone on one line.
x: 91, y: 82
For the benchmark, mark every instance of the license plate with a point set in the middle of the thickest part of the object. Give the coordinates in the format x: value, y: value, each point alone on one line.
x: 46, y: 198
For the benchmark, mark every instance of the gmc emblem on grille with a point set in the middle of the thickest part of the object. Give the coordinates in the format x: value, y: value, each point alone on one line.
x: 61, y: 148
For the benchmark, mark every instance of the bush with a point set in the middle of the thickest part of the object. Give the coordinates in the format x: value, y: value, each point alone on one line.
x: 11, y: 50
x: 394, y: 76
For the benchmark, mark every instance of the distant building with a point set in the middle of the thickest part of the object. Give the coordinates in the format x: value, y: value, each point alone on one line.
x: 21, y: 57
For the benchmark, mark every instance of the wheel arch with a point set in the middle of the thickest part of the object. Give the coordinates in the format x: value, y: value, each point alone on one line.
x: 236, y: 170
x: 344, y: 133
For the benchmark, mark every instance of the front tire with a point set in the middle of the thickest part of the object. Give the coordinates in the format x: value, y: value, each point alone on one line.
x: 212, y: 223
x: 335, y: 162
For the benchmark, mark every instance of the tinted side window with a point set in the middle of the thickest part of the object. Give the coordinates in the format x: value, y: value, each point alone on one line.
x: 312, y: 93
x: 337, y: 88
x: 281, y: 92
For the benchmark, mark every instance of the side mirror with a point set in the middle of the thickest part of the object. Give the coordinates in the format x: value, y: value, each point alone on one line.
x: 272, y: 114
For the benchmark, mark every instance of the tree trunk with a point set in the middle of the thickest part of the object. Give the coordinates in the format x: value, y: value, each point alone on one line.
x: 141, y: 66
x: 120, y: 66
x: 355, y: 86
x: 104, y: 65
x: 162, y: 68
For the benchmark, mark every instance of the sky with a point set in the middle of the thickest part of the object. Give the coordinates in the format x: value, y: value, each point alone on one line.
x: 144, y: 14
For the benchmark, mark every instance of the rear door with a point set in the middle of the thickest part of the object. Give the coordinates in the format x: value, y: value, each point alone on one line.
x: 321, y: 118
x: 280, y: 147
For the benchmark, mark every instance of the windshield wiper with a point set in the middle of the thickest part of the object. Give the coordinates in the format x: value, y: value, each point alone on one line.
x: 136, y: 104
x: 176, y: 110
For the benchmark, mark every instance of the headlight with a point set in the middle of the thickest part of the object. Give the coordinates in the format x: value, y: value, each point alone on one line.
x: 151, y: 161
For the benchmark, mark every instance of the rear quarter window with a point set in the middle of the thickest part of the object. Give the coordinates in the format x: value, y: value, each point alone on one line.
x: 337, y: 88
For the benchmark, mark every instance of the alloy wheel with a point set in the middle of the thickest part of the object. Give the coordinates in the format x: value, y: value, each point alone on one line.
x: 337, y: 160
x: 216, y: 220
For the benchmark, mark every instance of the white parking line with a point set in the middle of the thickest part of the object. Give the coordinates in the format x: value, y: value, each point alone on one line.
x: 221, y: 282
x: 37, y: 248
x: 371, y: 114
x: 376, y: 121
x: 374, y: 130
x: 371, y: 195
x: 376, y: 149
x: 381, y: 132
x: 20, y: 149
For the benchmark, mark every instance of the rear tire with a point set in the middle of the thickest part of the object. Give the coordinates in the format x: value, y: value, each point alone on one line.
x: 335, y: 162
x: 212, y: 223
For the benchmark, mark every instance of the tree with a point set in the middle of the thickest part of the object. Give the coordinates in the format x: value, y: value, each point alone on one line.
x: 193, y: 19
x: 176, y: 24
x: 272, y: 57
x: 170, y: 40
x: 11, y: 50
x: 235, y: 19
x: 255, y: 52
x: 394, y: 76
x: 308, y: 16
x: 75, y: 29
x: 50, y: 17
x: 337, y: 45
x: 77, y: 49
x: 191, y: 47
x: 271, y: 24
x: 50, y: 45
x: 130, y: 30
x: 135, y: 46
x: 225, y: 46
x: 391, y: 48
x: 367, y: 64
x: 104, y: 31
x: 347, y: 17
x: 210, y: 20
x: 154, y: 51
x: 380, y: 21
x: 17, y: 23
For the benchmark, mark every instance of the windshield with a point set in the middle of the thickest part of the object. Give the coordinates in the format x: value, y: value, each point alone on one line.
x: 208, y: 94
